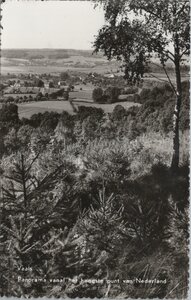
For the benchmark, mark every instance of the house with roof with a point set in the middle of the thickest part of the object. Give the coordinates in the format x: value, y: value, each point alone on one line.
x: 109, y: 75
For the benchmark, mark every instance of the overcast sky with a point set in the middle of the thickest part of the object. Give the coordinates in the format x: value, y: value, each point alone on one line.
x: 50, y: 24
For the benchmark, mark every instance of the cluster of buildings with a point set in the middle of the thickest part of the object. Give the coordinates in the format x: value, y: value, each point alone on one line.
x: 21, y: 88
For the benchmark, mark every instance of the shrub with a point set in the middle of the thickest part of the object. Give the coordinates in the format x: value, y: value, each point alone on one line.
x: 64, y: 76
x: 84, y: 112
x: 51, y: 84
x: 145, y: 95
x: 9, y: 113
x: 104, y: 224
x: 118, y: 112
x: 36, y: 119
x: 112, y: 94
x: 39, y: 83
x: 71, y: 87
x: 39, y: 96
x: 10, y: 99
x: 44, y: 99
x: 50, y: 120
x: 136, y: 98
x: 17, y: 99
x: 30, y: 98
x: 97, y: 95
x: 90, y: 128
x: 156, y: 112
x: 66, y: 95
x: 46, y: 119
x: 133, y: 110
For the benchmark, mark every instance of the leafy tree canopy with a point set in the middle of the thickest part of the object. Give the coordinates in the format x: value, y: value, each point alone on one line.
x: 136, y: 29
x: 9, y: 113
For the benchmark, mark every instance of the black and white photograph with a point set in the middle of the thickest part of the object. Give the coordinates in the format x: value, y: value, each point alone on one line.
x: 94, y: 149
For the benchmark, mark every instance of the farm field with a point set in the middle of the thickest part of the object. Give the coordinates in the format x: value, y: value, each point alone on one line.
x: 101, y: 69
x: 79, y: 98
x: 79, y: 63
x: 85, y: 94
x: 51, y: 69
x: 28, y: 109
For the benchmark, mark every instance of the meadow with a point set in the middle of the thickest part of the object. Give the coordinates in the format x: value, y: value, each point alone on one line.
x: 53, y: 62
x: 28, y: 109
x: 81, y: 96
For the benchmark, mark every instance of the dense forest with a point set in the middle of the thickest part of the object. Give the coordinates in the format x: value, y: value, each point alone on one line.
x: 88, y: 204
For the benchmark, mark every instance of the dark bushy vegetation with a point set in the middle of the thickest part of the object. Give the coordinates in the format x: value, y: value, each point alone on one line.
x: 109, y: 95
x: 91, y: 196
x: 158, y: 105
x: 112, y: 93
x: 9, y: 113
x: 85, y: 112
x: 97, y: 95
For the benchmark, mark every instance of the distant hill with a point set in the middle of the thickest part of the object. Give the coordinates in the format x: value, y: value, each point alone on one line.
x: 46, y: 53
x: 58, y: 60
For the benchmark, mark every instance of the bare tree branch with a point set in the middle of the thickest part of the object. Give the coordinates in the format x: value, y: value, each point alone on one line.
x: 154, y: 76
x: 184, y: 52
x: 172, y: 85
x: 168, y: 77
x: 171, y: 58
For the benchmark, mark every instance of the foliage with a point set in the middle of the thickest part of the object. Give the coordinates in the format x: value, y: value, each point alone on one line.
x: 64, y: 76
x: 64, y: 128
x: 120, y: 37
x: 85, y: 111
x: 112, y: 93
x: 97, y: 95
x: 9, y: 113
x: 92, y: 196
x: 119, y: 112
x: 109, y: 95
x: 39, y: 83
x: 159, y: 26
x: 46, y: 119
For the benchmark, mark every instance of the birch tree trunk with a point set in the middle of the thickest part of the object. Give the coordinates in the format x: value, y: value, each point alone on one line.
x: 176, y: 119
